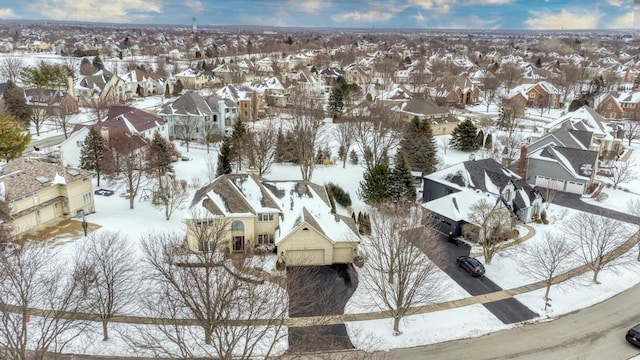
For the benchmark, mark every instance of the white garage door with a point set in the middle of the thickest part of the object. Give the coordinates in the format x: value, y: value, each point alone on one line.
x: 549, y: 183
x: 575, y: 188
x: 304, y: 257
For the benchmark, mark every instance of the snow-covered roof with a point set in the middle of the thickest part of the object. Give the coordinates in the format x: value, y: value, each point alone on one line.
x: 457, y: 206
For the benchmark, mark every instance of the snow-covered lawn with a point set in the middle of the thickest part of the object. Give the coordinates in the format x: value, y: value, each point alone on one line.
x: 616, y: 199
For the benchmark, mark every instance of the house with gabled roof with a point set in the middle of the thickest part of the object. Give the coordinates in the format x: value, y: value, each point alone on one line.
x: 193, y: 78
x: 291, y: 218
x: 194, y: 110
x: 247, y: 101
x: 540, y: 94
x: 449, y: 193
x: 129, y: 120
x: 442, y: 122
x: 39, y: 193
x: 604, y: 140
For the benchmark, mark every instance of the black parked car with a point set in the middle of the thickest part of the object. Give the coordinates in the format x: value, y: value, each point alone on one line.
x: 633, y: 335
x: 471, y: 265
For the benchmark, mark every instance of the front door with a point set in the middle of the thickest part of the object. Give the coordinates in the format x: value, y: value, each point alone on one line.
x: 238, y: 243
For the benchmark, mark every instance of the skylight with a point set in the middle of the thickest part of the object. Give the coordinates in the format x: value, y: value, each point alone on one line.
x: 42, y: 180
x: 73, y: 172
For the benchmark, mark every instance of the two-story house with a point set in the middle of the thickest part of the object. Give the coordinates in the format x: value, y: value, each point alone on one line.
x: 541, y: 94
x: 248, y: 103
x: 615, y: 105
x: 193, y: 79
x: 449, y: 193
x: 38, y: 192
x: 441, y: 120
x: 291, y: 218
x: 196, y: 116
x: 119, y: 118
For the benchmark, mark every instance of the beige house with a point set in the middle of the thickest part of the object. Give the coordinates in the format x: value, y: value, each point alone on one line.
x: 37, y: 193
x: 291, y: 218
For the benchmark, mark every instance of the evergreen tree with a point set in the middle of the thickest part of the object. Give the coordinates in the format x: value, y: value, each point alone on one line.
x: 238, y: 137
x: 465, y: 136
x: 13, y: 137
x: 177, y: 88
x: 374, y: 188
x: 402, y: 186
x: 167, y: 93
x: 419, y: 147
x: 97, y: 63
x: 159, y: 157
x: 16, y: 103
x: 224, y: 157
x: 539, y: 63
x: 336, y: 102
x: 92, y: 152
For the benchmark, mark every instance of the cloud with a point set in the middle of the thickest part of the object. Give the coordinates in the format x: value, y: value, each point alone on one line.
x: 7, y: 14
x: 622, y: 22
x: 616, y: 3
x: 194, y: 5
x: 369, y: 16
x: 440, y: 6
x: 419, y: 18
x: 117, y: 11
x: 474, y: 22
x: 565, y: 19
x: 309, y: 6
x: 489, y: 2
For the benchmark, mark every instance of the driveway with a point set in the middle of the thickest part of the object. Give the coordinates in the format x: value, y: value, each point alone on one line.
x: 509, y: 311
x: 317, y: 291
x: 573, y: 201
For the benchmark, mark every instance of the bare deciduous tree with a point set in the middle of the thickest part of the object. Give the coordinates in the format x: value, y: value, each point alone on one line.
x: 39, y: 116
x: 172, y: 196
x: 61, y: 119
x: 124, y: 156
x: 398, y: 274
x: 543, y: 260
x: 306, y: 121
x: 186, y: 130
x: 36, y: 277
x: 344, y: 133
x: 490, y: 224
x: 376, y: 133
x: 596, y: 238
x: 10, y: 68
x: 261, y: 148
x: 631, y: 130
x: 226, y: 306
x: 108, y: 268
x: 622, y: 172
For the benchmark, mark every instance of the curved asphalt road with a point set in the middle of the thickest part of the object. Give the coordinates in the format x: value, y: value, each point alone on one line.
x: 595, y: 333
x: 573, y: 201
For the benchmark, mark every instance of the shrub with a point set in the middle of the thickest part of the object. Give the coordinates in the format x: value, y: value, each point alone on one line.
x: 353, y: 157
x: 280, y: 264
x: 543, y: 216
x: 331, y: 198
x: 358, y: 261
x: 342, y: 197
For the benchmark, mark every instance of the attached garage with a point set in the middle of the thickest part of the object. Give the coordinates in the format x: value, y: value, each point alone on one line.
x: 343, y: 255
x: 575, y: 188
x: 550, y: 183
x: 304, y: 257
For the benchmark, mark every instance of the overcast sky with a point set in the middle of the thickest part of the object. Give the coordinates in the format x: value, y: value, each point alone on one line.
x: 455, y: 14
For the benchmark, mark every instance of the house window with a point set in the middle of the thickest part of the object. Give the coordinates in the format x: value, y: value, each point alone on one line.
x: 264, y: 217
x: 507, y: 195
x: 265, y: 239
x: 86, y: 198
x: 532, y: 95
x: 237, y: 226
x: 36, y: 199
x: 238, y: 243
x: 206, y: 246
x: 204, y: 223
x: 609, y: 106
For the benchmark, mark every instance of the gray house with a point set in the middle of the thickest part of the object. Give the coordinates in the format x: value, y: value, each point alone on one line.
x: 561, y: 160
x: 449, y: 193
x: 195, y: 116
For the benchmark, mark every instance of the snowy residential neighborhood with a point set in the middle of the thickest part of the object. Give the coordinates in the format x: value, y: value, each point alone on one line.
x: 369, y: 195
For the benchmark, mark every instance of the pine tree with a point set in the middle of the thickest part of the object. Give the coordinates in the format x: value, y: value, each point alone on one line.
x: 402, y: 186
x: 419, y: 146
x: 238, y: 137
x: 336, y: 102
x: 92, y: 152
x: 374, y: 188
x: 177, y: 88
x: 13, y: 137
x: 224, y: 157
x: 97, y: 63
x: 159, y: 157
x: 465, y: 136
x: 167, y: 93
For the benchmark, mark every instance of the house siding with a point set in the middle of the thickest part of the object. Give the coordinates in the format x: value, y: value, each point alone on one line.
x: 549, y: 169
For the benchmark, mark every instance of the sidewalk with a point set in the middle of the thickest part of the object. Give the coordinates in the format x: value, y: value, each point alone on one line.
x: 340, y: 319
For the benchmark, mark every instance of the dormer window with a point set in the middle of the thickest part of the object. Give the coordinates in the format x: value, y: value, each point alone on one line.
x: 507, y: 195
x: 265, y: 217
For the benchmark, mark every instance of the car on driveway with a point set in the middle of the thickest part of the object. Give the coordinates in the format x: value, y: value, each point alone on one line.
x: 633, y: 335
x: 471, y: 265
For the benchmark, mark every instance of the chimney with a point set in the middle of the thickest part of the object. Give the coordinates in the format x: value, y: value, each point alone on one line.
x: 71, y: 87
